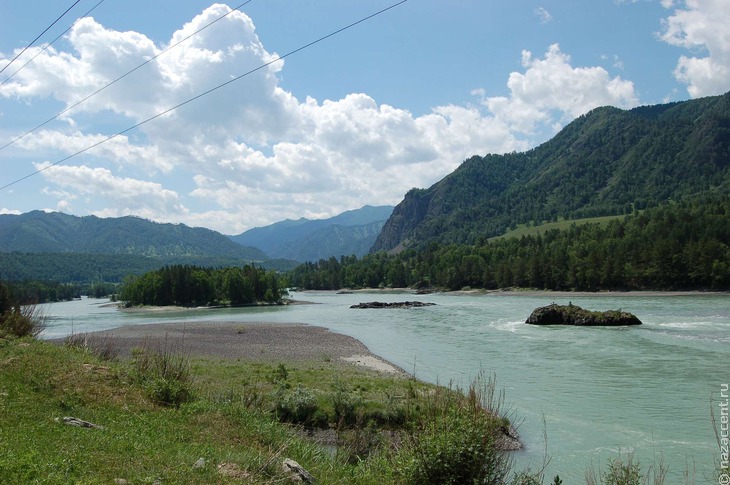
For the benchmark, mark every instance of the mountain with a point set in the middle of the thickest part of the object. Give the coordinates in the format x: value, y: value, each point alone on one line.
x: 352, y: 232
x: 54, y: 232
x: 607, y: 162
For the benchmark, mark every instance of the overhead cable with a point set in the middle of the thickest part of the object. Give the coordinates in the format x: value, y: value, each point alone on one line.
x: 205, y: 93
x: 39, y: 36
x: 170, y: 47
x: 49, y: 44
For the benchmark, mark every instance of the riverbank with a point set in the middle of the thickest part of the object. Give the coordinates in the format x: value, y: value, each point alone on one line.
x: 606, y: 378
x: 253, y: 342
x: 173, y: 308
x: 74, y: 414
x: 523, y: 292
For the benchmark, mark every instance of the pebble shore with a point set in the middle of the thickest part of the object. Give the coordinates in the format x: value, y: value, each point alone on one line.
x: 257, y: 342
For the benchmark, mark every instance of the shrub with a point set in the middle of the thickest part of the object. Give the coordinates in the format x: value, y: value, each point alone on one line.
x: 456, y: 448
x: 99, y: 345
x: 281, y: 374
x: 299, y: 407
x: 344, y: 405
x: 25, y: 321
x: 456, y: 439
x: 619, y: 472
x: 16, y: 320
x: 358, y: 444
x: 164, y: 375
x: 169, y: 392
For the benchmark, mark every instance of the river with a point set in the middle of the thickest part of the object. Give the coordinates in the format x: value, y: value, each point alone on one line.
x: 594, y: 392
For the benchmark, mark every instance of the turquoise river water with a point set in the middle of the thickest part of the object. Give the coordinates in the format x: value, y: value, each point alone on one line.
x: 595, y: 392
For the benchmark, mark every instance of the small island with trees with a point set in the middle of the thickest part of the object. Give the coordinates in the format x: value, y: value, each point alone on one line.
x: 192, y: 286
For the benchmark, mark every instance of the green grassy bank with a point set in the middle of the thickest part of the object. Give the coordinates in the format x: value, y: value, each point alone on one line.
x: 164, y: 419
x: 160, y: 418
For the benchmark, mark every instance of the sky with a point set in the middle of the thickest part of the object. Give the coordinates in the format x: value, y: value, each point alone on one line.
x: 394, y: 102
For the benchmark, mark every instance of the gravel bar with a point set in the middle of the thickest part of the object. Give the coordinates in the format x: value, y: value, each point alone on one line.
x: 257, y: 341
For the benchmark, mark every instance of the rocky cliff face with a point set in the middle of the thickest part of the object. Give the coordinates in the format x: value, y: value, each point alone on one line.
x: 405, y: 218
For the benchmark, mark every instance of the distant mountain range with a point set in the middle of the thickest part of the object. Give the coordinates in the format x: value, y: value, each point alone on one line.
x: 607, y: 162
x: 352, y: 232
x: 60, y: 247
x: 54, y: 232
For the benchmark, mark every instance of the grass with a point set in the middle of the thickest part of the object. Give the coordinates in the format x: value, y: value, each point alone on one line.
x: 140, y: 442
x: 229, y: 421
x: 230, y: 427
x: 561, y: 224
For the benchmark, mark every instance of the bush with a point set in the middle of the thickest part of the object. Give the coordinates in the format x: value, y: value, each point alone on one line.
x: 457, y: 448
x: 344, y: 405
x: 299, y: 407
x: 456, y: 440
x: 358, y: 444
x: 619, y: 472
x: 169, y: 392
x: 164, y: 375
x: 98, y: 345
x: 25, y: 321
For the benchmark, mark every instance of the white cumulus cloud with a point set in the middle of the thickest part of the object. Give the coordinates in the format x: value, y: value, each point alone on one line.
x: 251, y: 153
x: 118, y: 149
x: 125, y: 195
x: 552, y: 91
x: 701, y: 27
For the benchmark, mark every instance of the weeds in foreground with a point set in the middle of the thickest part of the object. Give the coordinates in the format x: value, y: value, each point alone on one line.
x: 97, y: 344
x: 626, y: 470
x: 233, y: 430
x: 458, y: 438
x: 299, y: 407
x: 22, y: 321
x: 164, y: 374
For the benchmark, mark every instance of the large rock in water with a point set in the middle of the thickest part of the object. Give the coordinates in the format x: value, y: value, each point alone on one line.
x: 575, y: 315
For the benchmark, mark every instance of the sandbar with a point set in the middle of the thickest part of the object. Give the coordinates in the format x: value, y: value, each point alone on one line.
x: 250, y: 341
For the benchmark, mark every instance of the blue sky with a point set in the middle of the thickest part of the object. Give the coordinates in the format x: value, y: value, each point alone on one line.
x: 396, y: 102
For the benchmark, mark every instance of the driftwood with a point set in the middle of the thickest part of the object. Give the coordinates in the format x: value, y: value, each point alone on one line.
x: 297, y: 472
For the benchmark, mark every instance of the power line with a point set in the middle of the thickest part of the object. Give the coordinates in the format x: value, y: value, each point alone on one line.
x: 39, y: 36
x: 45, y: 47
x: 122, y: 76
x: 205, y: 93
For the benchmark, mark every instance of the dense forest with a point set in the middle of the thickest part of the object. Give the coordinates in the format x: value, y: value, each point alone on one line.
x: 54, y: 232
x: 86, y: 269
x: 185, y: 285
x: 676, y: 246
x: 607, y: 162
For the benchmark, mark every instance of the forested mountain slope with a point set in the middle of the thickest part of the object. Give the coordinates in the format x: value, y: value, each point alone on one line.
x: 682, y: 245
x: 42, y: 232
x: 609, y: 161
